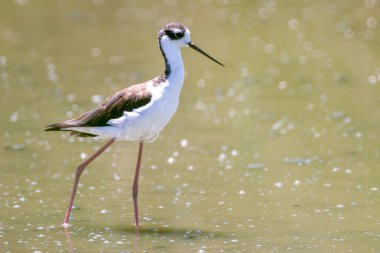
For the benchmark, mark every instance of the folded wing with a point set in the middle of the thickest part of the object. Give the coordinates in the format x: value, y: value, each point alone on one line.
x: 114, y: 107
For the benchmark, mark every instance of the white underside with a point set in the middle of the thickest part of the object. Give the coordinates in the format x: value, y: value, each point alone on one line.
x: 144, y: 123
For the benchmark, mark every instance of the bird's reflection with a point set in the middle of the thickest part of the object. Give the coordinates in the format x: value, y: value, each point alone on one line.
x: 175, y: 233
x: 71, y: 245
x: 69, y: 239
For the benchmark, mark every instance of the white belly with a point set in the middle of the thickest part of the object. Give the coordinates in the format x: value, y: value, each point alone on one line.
x: 147, y: 123
x: 142, y: 124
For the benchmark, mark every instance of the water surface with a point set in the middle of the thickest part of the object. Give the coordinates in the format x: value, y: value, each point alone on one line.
x: 276, y: 152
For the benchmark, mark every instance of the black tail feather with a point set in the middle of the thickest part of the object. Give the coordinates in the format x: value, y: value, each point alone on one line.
x: 54, y: 127
x: 62, y: 127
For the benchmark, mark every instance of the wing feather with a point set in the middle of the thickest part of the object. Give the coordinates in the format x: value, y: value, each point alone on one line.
x: 127, y: 99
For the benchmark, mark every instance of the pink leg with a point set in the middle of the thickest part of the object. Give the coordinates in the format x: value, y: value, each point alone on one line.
x: 135, y: 187
x: 80, y: 169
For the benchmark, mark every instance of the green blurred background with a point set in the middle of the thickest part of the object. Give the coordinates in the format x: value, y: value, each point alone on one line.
x: 276, y: 152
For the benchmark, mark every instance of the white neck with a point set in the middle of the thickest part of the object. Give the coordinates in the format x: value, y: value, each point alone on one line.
x: 173, y: 60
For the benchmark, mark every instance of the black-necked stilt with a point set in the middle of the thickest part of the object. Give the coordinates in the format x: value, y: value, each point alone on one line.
x: 136, y: 113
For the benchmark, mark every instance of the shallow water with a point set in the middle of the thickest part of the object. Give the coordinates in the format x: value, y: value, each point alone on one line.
x: 276, y: 152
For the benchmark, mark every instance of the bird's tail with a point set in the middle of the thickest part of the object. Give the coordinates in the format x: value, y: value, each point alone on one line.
x: 56, y: 127
x: 63, y: 127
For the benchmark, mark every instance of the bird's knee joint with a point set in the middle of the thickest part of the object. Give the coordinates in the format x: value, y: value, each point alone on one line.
x: 134, y: 194
x: 79, y: 171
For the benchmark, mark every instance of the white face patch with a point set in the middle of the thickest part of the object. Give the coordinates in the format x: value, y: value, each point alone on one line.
x: 176, y: 30
x: 187, y: 36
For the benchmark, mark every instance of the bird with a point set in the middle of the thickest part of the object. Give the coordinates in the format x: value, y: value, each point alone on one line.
x: 137, y: 113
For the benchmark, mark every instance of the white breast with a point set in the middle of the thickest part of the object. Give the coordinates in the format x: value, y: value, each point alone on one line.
x: 146, y: 123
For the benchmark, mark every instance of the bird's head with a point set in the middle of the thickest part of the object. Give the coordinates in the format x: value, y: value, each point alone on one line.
x: 178, y: 35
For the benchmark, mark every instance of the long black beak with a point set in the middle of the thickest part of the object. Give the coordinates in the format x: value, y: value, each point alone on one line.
x: 193, y: 46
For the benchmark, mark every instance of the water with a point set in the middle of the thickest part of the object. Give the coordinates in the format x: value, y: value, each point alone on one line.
x: 277, y: 152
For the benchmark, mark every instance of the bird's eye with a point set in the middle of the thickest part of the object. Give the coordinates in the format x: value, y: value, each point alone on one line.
x: 179, y: 35
x: 175, y: 35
